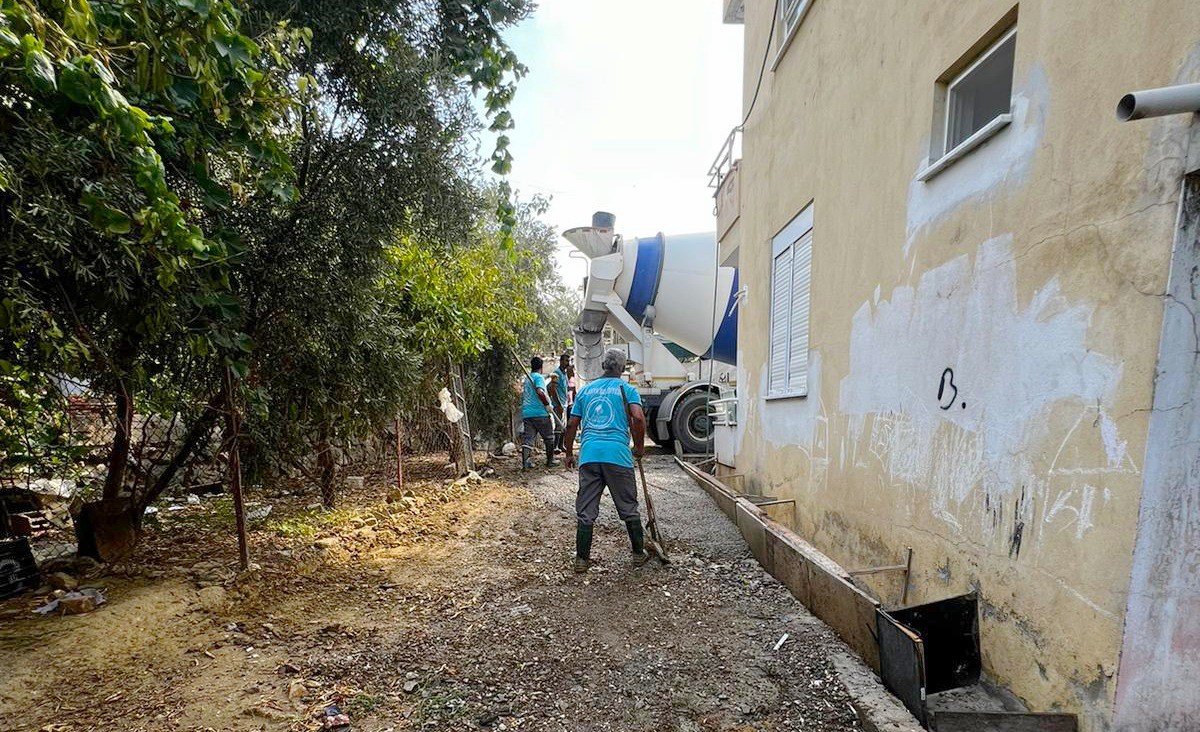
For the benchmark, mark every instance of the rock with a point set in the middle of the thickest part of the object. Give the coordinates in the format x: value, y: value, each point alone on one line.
x: 269, y: 713
x: 62, y: 581
x: 76, y: 603
x: 411, y: 686
x: 328, y: 542
x: 259, y: 513
x: 193, y: 499
x: 297, y: 689
x: 473, y: 477
x: 508, y: 448
x: 71, y: 603
x: 212, y: 599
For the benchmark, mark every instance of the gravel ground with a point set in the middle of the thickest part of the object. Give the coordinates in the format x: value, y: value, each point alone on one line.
x: 686, y: 515
x: 447, y: 608
x: 699, y: 645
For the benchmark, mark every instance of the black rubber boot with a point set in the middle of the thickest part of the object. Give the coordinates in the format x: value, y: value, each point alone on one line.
x: 637, y: 541
x: 583, y: 546
x: 526, y: 457
x: 550, y: 461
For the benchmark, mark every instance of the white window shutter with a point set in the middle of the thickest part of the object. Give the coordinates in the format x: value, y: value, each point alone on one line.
x: 797, y: 368
x: 781, y: 301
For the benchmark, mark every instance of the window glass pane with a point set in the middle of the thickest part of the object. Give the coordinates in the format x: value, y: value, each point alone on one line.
x: 981, y: 95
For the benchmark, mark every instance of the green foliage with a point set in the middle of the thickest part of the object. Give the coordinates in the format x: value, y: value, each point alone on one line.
x: 289, y: 189
x: 534, y: 285
x: 460, y: 301
x: 35, y: 430
x: 355, y: 289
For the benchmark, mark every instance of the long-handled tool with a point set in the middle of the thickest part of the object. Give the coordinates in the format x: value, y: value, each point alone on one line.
x: 653, y: 539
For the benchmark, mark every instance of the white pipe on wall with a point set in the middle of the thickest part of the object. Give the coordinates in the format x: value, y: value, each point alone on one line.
x: 1181, y: 99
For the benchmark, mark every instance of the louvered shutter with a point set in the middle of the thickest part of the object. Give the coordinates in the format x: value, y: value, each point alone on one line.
x: 797, y: 368
x: 781, y: 302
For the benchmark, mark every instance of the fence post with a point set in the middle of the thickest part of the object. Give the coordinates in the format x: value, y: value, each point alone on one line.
x: 235, y: 471
x: 399, y: 456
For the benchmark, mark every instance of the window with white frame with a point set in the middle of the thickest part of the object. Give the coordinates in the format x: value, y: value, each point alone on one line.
x: 980, y: 93
x: 791, y: 281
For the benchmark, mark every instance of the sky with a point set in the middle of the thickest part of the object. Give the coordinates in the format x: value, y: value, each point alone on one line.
x: 625, y: 106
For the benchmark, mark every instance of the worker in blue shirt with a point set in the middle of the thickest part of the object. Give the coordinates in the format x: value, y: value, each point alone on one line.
x: 605, y: 456
x: 535, y: 415
x: 558, y: 395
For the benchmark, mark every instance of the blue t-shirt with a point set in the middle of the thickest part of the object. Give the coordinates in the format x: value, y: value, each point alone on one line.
x: 531, y: 405
x: 561, y: 388
x: 605, y: 426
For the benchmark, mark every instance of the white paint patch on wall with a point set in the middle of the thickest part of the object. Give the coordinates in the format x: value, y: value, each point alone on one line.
x: 999, y: 162
x: 957, y: 349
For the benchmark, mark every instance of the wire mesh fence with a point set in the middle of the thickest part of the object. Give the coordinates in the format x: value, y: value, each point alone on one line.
x: 176, y: 455
x: 43, y: 496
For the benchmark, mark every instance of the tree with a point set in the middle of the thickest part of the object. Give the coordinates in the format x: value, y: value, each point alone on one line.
x: 385, y: 165
x: 190, y: 185
x: 126, y: 130
x: 537, y: 285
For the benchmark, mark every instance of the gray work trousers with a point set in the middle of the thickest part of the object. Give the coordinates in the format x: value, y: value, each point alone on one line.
x: 593, y: 478
x: 535, y: 426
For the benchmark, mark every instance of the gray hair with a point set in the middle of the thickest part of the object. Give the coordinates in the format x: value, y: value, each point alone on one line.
x: 614, y: 361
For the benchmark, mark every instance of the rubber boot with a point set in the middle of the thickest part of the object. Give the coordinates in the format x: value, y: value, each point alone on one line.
x: 550, y: 461
x: 637, y: 541
x: 583, y: 547
x: 526, y: 457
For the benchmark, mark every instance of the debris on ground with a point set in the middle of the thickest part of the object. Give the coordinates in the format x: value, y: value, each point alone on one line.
x: 259, y: 513
x: 335, y: 719
x: 74, y: 603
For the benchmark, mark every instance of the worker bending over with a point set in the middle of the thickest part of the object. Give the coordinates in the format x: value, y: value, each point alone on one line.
x: 605, y: 458
x: 535, y: 416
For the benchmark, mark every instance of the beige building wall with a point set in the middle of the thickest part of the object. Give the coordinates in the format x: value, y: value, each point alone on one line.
x: 1023, y: 283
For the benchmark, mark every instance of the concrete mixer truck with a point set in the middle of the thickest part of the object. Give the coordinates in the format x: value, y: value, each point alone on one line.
x: 660, y: 298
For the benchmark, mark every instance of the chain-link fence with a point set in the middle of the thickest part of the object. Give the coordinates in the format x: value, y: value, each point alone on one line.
x: 65, y: 500
x: 44, y: 496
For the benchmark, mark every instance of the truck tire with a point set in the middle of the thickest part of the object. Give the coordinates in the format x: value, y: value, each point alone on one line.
x: 691, y: 426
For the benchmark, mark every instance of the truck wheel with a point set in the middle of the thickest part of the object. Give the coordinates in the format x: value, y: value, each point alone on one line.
x: 690, y: 424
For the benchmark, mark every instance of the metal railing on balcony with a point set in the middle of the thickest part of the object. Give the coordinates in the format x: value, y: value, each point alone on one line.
x: 729, y: 154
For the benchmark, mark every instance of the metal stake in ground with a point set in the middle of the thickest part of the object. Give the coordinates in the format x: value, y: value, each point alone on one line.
x: 654, y: 540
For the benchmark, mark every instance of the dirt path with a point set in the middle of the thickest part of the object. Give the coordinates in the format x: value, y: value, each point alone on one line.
x: 451, y: 608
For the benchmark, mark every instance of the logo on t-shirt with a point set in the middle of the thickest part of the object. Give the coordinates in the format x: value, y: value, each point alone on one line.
x: 600, y: 414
